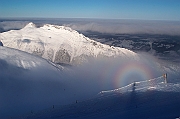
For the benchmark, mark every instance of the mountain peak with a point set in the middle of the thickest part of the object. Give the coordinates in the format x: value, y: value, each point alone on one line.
x: 30, y: 25
x: 60, y: 44
x: 56, y: 27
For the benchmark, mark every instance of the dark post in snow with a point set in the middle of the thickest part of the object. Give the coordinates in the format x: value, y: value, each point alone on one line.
x: 1, y: 44
x: 165, y: 78
x: 134, y: 86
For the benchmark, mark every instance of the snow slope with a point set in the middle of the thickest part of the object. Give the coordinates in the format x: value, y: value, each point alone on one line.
x: 22, y: 60
x: 29, y: 83
x: 159, y: 102
x: 59, y: 44
x: 24, y: 80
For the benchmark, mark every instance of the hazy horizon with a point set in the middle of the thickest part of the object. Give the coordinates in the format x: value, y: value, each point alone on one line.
x: 111, y: 26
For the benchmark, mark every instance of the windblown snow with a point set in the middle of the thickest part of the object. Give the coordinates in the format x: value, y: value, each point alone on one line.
x: 59, y: 44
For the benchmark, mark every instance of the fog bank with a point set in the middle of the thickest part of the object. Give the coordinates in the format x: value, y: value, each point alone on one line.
x: 120, y: 26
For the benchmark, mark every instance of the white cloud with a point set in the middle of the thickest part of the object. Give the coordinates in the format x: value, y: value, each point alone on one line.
x: 8, y: 25
x: 129, y: 27
x: 104, y: 26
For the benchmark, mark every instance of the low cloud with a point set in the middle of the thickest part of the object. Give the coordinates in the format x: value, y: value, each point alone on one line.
x: 103, y: 26
x: 129, y: 27
x: 12, y: 25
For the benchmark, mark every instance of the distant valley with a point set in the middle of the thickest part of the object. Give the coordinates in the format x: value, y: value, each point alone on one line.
x: 162, y: 46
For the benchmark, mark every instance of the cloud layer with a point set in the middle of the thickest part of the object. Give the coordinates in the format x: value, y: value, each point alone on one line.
x: 129, y: 27
x: 104, y: 26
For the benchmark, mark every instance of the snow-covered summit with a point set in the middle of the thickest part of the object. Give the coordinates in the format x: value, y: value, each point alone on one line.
x: 59, y: 44
x: 30, y: 25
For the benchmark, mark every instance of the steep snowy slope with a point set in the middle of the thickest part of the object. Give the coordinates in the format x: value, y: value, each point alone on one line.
x: 24, y: 60
x: 25, y: 80
x: 59, y: 44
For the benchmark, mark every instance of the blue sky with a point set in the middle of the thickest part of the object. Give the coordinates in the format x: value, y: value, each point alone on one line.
x: 103, y: 9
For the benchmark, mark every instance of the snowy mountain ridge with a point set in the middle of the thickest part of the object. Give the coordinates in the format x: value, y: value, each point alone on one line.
x: 23, y: 60
x: 59, y: 44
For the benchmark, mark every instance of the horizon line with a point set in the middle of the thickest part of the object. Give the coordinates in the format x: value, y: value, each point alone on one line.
x: 36, y: 18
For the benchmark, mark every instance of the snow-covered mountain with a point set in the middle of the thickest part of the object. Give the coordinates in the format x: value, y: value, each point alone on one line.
x: 59, y: 44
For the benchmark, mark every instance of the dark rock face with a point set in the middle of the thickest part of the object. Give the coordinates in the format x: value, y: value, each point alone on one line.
x: 62, y: 56
x: 1, y: 44
x: 50, y: 54
x: 38, y: 52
